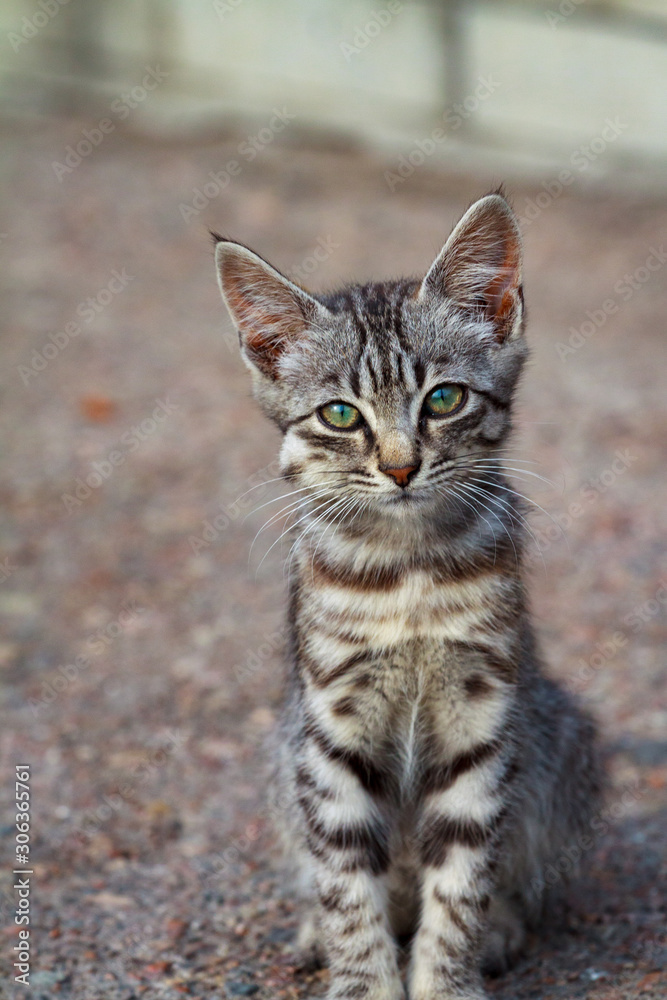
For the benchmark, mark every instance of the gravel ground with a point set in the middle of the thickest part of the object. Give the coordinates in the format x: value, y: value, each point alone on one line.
x: 156, y: 873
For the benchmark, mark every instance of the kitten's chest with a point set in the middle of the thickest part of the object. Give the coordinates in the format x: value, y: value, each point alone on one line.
x: 380, y: 612
x: 393, y: 661
x: 408, y: 705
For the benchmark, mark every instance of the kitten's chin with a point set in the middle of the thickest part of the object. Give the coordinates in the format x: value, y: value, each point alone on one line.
x: 405, y: 504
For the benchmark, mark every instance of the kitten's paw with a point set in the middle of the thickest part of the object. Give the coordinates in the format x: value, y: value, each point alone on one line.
x: 440, y: 993
x: 505, y: 938
x: 433, y: 985
x: 369, y: 991
x: 309, y: 953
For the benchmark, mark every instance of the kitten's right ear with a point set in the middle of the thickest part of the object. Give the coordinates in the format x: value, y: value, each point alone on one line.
x: 269, y: 311
x: 479, y: 267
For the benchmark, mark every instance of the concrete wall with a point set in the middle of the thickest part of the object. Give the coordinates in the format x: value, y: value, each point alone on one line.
x: 533, y: 81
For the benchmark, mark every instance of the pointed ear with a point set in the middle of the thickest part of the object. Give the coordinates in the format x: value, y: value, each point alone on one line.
x: 479, y: 268
x: 268, y: 310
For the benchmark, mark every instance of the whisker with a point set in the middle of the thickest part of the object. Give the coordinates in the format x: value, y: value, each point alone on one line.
x: 323, y: 517
x: 477, y: 514
x: 464, y: 461
x: 283, y: 496
x: 341, y: 501
x: 533, y: 502
x: 515, y: 515
x: 351, y: 502
x: 266, y: 482
x: 506, y: 452
x: 290, y: 478
x: 289, y: 528
x: 493, y: 513
x: 290, y: 508
x: 490, y: 464
x: 294, y: 503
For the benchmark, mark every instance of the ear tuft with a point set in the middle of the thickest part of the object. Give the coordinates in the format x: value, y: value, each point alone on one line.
x: 479, y: 268
x: 268, y: 310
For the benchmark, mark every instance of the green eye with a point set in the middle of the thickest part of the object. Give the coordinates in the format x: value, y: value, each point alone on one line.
x: 342, y: 416
x: 444, y: 400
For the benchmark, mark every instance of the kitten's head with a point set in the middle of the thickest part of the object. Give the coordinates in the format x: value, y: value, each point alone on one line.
x: 383, y: 392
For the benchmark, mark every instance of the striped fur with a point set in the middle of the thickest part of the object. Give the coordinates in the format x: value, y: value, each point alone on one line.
x: 431, y: 770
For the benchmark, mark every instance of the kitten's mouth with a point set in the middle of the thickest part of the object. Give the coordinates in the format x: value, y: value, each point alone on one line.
x: 404, y: 499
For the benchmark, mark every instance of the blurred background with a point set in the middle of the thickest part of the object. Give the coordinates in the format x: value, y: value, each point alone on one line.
x: 141, y: 612
x: 379, y: 73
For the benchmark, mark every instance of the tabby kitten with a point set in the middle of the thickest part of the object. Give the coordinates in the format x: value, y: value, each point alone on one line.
x: 432, y: 770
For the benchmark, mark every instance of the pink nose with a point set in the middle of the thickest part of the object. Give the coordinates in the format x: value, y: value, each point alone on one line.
x: 401, y: 476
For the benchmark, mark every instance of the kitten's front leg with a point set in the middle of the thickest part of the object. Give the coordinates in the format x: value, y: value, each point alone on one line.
x: 360, y: 949
x: 457, y: 839
x: 347, y: 840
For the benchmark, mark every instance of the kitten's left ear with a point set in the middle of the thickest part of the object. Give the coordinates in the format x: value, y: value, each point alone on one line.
x: 269, y: 311
x: 479, y: 267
